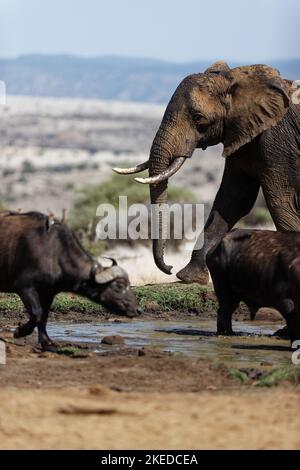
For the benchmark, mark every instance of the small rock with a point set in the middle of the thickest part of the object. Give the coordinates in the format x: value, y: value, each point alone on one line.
x: 153, y: 306
x: 111, y: 340
x: 98, y: 390
x: 143, y: 352
x: 150, y: 352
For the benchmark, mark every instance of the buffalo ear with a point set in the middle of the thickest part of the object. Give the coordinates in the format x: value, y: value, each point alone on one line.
x: 258, y: 99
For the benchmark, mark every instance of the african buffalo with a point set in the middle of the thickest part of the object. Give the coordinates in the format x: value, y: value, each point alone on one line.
x: 40, y: 257
x: 260, y: 268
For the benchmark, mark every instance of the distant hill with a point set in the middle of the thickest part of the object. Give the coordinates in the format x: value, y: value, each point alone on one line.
x: 107, y: 78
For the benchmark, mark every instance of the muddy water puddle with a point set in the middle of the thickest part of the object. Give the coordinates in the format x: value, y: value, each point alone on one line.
x: 253, y: 345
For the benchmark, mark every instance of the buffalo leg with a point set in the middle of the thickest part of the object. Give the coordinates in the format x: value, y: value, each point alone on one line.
x: 282, y: 333
x: 227, y: 306
x: 292, y: 329
x: 31, y: 299
x: 46, y: 300
x: 235, y: 198
x: 224, y: 321
x: 28, y: 298
x: 293, y: 326
x: 293, y: 317
x: 227, y: 302
x: 26, y: 329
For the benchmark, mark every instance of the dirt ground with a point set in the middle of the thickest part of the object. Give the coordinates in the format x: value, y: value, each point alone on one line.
x: 99, y: 418
x: 137, y: 399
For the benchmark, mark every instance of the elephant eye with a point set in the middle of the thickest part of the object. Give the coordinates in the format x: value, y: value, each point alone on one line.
x: 198, y: 118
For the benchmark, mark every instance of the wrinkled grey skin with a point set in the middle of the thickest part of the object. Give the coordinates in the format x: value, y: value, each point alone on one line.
x: 249, y: 110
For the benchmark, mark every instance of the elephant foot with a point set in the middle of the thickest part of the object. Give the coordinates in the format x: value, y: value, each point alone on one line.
x: 193, y: 272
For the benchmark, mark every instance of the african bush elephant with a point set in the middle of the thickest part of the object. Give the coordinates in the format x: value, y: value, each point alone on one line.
x: 248, y: 109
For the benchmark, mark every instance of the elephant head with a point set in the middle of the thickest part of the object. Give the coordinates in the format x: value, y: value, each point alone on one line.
x: 221, y: 105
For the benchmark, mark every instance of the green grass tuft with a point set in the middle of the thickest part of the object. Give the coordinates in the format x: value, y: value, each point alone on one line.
x: 237, y: 375
x: 165, y: 297
x: 177, y: 297
x: 69, y: 350
x: 277, y: 375
x: 10, y: 303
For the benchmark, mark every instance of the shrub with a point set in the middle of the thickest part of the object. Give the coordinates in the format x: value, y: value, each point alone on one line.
x: 83, y: 215
x: 258, y: 216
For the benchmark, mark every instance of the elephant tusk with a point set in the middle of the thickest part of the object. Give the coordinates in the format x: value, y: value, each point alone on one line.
x: 135, y: 169
x: 173, y: 168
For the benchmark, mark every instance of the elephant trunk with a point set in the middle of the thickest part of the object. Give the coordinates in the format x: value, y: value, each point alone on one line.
x: 160, y: 158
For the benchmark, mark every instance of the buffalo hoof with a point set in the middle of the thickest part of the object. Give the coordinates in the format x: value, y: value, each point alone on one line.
x: 23, y: 330
x: 226, y: 333
x: 194, y: 273
x: 47, y: 344
x: 50, y: 347
x: 17, y: 333
x: 282, y: 333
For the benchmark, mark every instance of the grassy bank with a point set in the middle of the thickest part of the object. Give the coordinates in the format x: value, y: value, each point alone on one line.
x: 165, y: 297
x: 272, y: 377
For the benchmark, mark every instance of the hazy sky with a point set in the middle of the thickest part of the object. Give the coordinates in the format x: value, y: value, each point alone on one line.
x: 177, y: 30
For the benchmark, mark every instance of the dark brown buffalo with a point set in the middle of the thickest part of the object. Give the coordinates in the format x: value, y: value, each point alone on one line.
x: 40, y: 257
x: 260, y: 268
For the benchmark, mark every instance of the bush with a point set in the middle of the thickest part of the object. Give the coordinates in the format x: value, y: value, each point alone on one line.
x: 258, y: 216
x: 83, y: 215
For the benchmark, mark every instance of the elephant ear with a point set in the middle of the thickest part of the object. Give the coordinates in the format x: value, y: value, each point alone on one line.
x: 258, y: 99
x: 219, y: 68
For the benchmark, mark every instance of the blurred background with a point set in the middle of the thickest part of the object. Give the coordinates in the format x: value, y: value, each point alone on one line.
x: 87, y: 83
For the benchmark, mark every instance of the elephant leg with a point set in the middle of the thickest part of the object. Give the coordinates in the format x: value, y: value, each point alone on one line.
x: 235, y: 198
x: 285, y: 212
x: 284, y: 209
